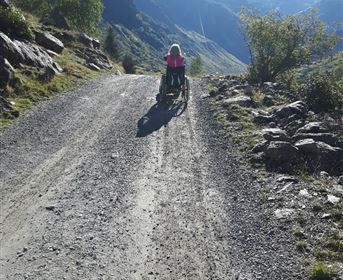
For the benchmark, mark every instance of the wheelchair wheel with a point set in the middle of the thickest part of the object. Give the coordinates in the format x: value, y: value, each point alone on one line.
x: 186, y: 90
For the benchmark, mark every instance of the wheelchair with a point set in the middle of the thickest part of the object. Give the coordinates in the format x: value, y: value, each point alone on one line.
x: 173, y: 83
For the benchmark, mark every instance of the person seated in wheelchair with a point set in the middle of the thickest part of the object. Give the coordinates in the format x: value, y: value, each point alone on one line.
x: 176, y: 64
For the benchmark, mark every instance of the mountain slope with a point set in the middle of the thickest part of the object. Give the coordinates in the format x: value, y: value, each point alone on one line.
x: 148, y: 40
x: 212, y: 19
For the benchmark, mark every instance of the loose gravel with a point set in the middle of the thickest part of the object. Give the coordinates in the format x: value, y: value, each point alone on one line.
x: 105, y: 183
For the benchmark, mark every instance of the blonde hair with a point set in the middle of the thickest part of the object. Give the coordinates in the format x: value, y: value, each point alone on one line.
x: 175, y: 50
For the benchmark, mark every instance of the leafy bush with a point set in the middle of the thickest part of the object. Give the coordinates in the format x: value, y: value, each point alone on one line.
x: 321, y: 271
x: 279, y: 44
x: 13, y: 24
x: 196, y: 67
x: 128, y: 64
x: 84, y: 15
x: 322, y: 93
x: 110, y: 44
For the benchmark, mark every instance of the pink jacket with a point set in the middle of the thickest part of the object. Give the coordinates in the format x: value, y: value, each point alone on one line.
x: 179, y: 61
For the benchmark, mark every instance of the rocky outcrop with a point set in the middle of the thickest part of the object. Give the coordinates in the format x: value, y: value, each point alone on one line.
x: 26, y: 53
x: 48, y: 41
x: 295, y: 138
x: 93, y: 56
x: 89, y: 41
x: 6, y: 72
x: 295, y: 108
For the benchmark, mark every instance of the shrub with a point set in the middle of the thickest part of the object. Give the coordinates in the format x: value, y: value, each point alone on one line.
x: 84, y: 15
x: 279, y: 44
x: 196, y: 67
x: 128, y: 64
x: 320, y: 271
x: 322, y: 93
x: 13, y: 23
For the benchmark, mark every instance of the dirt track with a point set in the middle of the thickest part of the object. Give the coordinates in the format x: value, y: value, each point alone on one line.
x: 103, y: 183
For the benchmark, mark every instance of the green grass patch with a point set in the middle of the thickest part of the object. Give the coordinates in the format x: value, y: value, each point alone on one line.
x: 32, y: 90
x: 320, y: 271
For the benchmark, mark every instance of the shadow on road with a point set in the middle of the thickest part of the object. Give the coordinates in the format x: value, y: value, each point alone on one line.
x: 160, y: 114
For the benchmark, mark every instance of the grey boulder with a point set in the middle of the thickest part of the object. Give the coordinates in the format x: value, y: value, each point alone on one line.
x: 262, y: 117
x: 24, y: 52
x: 50, y: 42
x: 313, y: 127
x: 243, y: 101
x: 275, y: 134
x: 281, y: 155
x: 298, y: 107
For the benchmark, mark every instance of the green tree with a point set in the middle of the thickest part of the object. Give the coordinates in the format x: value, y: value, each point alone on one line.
x: 110, y: 45
x: 196, y: 67
x: 279, y: 44
x: 84, y: 15
x: 128, y: 64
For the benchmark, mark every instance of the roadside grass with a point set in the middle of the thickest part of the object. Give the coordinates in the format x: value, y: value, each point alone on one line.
x: 33, y: 90
x: 320, y: 271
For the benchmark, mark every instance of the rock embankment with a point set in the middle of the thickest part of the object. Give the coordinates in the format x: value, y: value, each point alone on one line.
x: 291, y: 136
x: 39, y: 54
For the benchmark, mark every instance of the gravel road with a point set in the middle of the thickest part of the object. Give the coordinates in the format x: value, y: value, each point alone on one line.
x: 104, y: 183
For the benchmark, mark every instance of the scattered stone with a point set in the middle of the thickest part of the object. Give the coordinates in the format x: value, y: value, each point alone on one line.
x: 280, y: 155
x: 50, y: 42
x: 333, y: 199
x: 328, y: 138
x: 313, y: 127
x: 66, y: 37
x: 298, y: 107
x: 243, y: 101
x: 275, y: 134
x: 262, y: 117
x: 96, y: 57
x: 287, y: 179
x: 284, y: 188
x: 268, y: 100
x: 86, y: 40
x: 327, y: 216
x: 248, y: 90
x: 340, y: 180
x: 93, y: 67
x: 50, y: 208
x: 283, y: 213
x: 269, y: 86
x: 260, y: 147
x: 293, y: 126
x: 324, y: 175
x: 305, y: 193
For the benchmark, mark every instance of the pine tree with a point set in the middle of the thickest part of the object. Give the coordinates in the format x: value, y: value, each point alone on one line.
x: 110, y: 44
x: 128, y: 64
